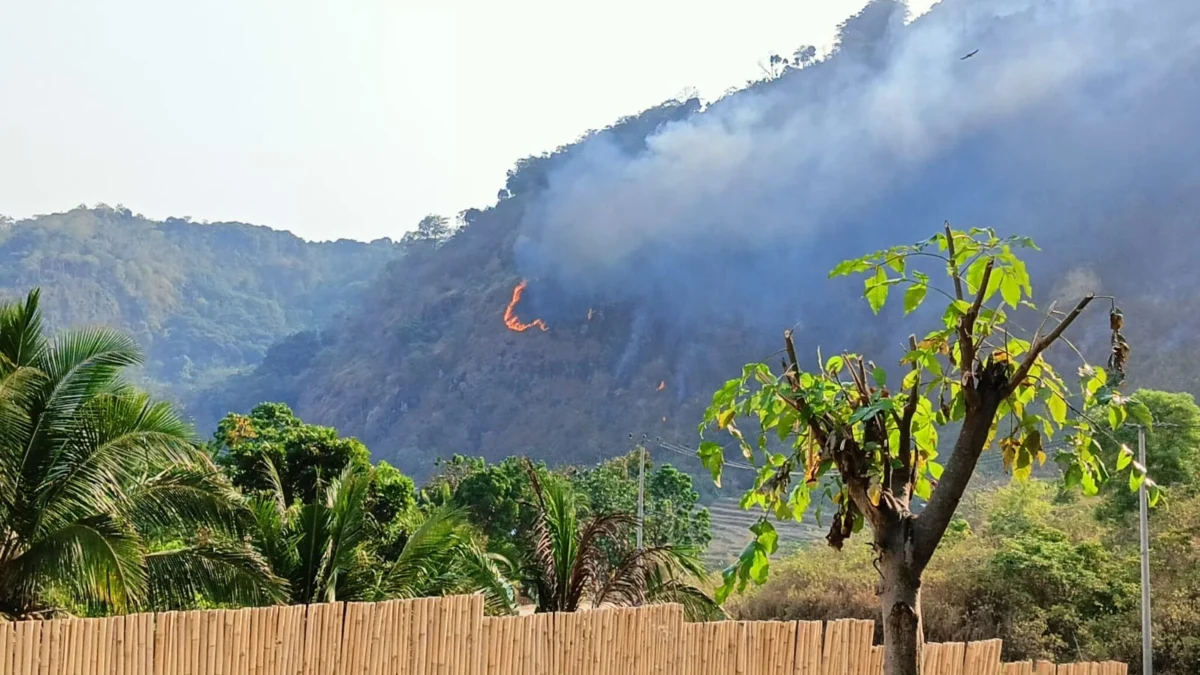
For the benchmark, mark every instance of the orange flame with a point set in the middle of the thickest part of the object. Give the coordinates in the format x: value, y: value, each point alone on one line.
x: 662, y: 385
x: 510, y: 312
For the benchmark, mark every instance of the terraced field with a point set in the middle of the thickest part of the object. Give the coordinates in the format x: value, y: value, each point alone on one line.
x: 730, y: 524
x: 730, y: 532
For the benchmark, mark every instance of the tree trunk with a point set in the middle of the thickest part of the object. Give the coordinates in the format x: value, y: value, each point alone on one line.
x: 900, y: 600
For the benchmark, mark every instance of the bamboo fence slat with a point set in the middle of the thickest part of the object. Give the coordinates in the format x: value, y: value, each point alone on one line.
x: 452, y: 636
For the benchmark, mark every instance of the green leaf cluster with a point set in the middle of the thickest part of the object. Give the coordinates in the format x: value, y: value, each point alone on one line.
x: 782, y: 421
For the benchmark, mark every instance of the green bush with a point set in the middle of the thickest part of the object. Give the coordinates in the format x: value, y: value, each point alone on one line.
x: 1054, y: 581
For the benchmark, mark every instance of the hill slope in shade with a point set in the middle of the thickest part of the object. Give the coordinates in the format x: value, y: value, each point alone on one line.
x: 669, y: 250
x: 203, y: 300
x: 428, y: 368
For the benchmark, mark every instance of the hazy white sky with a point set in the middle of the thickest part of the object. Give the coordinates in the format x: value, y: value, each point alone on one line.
x: 350, y: 118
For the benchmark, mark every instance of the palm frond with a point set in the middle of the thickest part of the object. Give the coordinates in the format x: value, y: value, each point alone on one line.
x: 636, y: 575
x: 680, y: 560
x: 215, y: 571
x: 570, y: 557
x: 275, y: 482
x: 556, y: 549
x: 483, y: 571
x: 569, y: 554
x: 87, y: 359
x: 150, y: 432
x: 113, y: 440
x: 309, y: 536
x: 409, y: 575
x: 97, y: 559
x: 347, y: 497
x: 21, y: 340
x: 90, y: 470
x: 592, y: 558
x: 184, y: 498
x: 273, y: 538
x: 79, y: 365
x: 19, y: 384
x: 17, y: 387
x: 697, y: 605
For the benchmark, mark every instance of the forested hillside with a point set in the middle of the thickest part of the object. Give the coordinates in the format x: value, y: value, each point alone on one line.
x: 202, y: 299
x: 663, y: 253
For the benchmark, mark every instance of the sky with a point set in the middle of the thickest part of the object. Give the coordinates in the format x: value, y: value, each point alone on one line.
x: 350, y: 118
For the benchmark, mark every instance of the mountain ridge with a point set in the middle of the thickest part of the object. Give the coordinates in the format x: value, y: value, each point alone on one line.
x: 202, y: 299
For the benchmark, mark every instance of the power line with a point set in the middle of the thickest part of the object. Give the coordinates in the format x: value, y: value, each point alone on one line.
x: 682, y: 450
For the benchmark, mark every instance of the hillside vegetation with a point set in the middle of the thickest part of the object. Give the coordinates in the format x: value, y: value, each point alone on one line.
x: 428, y: 369
x: 202, y: 299
x: 657, y: 283
x: 1044, y: 575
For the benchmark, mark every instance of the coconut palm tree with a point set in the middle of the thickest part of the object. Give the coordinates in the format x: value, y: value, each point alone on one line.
x: 445, y: 555
x: 106, y: 501
x: 323, y: 548
x: 574, y: 558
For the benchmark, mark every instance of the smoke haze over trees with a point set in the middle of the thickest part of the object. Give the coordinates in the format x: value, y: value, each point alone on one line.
x: 1072, y: 114
x: 660, y: 249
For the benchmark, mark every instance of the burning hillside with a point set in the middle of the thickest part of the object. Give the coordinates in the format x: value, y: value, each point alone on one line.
x: 690, y: 239
x: 510, y: 312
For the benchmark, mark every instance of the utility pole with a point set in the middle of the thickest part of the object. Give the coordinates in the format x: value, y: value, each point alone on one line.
x: 1143, y: 509
x: 641, y: 490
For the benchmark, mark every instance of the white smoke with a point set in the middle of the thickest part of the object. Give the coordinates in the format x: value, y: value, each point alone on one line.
x: 823, y: 154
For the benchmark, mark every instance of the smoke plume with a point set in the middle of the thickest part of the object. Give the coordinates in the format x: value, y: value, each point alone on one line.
x: 1073, y: 123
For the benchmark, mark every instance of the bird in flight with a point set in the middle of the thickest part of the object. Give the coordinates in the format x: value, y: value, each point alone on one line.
x: 969, y: 55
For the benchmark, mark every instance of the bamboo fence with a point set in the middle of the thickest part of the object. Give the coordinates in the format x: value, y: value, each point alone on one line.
x: 451, y: 636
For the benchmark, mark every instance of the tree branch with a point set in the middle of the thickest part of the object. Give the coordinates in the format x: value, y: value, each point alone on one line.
x: 1044, y: 343
x: 793, y: 370
x: 800, y: 405
x: 958, y: 290
x: 860, y: 384
x: 966, y: 325
x: 904, y: 452
x: 932, y: 522
x: 983, y: 284
x: 886, y: 453
x: 991, y: 385
x: 848, y: 457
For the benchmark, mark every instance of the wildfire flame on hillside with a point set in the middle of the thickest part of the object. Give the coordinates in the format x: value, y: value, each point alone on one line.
x: 510, y: 312
x: 662, y: 385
